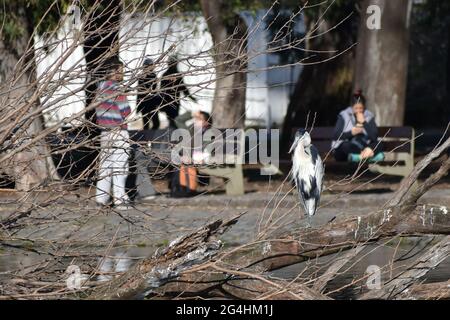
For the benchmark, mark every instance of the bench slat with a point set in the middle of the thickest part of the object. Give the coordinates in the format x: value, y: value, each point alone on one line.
x: 397, y: 146
x: 396, y: 132
x: 326, y: 133
x: 390, y: 136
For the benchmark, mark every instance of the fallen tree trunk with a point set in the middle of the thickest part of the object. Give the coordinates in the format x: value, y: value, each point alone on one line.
x: 427, y: 291
x: 408, y: 182
x: 398, y: 285
x: 334, y: 237
x: 151, y: 273
x: 411, y: 199
x: 321, y: 283
x: 225, y: 286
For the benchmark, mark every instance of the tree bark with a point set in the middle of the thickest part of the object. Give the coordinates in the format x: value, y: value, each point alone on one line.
x: 30, y: 167
x: 382, y: 61
x: 427, y: 291
x: 230, y: 58
x: 335, y: 237
x: 399, y: 285
x: 334, y: 268
x: 325, y: 83
x: 152, y: 273
x: 210, y: 285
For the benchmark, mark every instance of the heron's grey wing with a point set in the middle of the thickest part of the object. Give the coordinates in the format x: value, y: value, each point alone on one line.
x: 299, y: 184
x: 319, y: 169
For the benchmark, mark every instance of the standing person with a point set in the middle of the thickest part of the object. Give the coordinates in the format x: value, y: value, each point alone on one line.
x: 148, y: 99
x: 111, y: 118
x: 172, y: 85
x: 355, y: 134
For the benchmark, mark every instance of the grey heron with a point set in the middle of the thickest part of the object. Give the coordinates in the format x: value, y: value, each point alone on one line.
x: 307, y: 172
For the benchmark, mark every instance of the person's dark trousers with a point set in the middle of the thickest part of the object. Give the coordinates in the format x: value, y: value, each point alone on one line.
x: 130, y: 184
x: 138, y: 183
x: 151, y: 117
x: 143, y: 182
x: 172, y: 123
x: 172, y: 112
x: 341, y: 153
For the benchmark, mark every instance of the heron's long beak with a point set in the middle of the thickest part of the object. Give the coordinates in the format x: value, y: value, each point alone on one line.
x: 294, y: 145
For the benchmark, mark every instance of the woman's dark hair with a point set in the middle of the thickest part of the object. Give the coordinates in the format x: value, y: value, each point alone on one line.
x: 358, y: 97
x: 172, y: 65
x: 114, y: 64
x: 207, y: 117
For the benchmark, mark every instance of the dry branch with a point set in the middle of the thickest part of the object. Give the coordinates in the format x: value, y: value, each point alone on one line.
x: 334, y: 237
x: 208, y: 284
x: 151, y: 273
x: 429, y: 260
x: 427, y: 291
x: 409, y: 181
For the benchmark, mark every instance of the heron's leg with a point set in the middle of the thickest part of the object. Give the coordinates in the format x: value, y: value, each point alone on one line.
x: 309, y: 221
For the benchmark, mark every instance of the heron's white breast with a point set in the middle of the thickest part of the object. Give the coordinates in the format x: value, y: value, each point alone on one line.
x: 302, y: 165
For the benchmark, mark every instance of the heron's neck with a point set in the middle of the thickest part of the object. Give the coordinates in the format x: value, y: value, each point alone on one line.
x: 304, y: 150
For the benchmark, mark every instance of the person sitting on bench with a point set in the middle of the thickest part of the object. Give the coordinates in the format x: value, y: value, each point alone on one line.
x: 201, y: 121
x: 185, y: 179
x: 355, y: 134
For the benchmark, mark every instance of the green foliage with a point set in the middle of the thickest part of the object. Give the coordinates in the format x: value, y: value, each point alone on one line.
x: 51, y: 11
x: 44, y: 15
x: 11, y: 29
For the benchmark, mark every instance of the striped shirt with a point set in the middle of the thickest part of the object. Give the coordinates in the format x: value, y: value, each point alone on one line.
x: 114, y: 108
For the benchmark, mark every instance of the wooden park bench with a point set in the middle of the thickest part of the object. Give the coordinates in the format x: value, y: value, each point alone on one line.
x: 156, y: 146
x: 236, y: 161
x: 397, y: 145
x: 229, y: 168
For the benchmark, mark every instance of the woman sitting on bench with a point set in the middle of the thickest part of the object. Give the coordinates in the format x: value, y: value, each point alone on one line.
x: 355, y: 134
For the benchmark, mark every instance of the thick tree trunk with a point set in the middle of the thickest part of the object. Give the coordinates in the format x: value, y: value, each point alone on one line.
x: 399, y: 285
x: 325, y: 83
x: 153, y: 272
x: 209, y: 284
x: 382, y: 61
x: 427, y: 291
x: 448, y: 71
x: 335, y: 237
x: 30, y: 167
x: 230, y: 58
